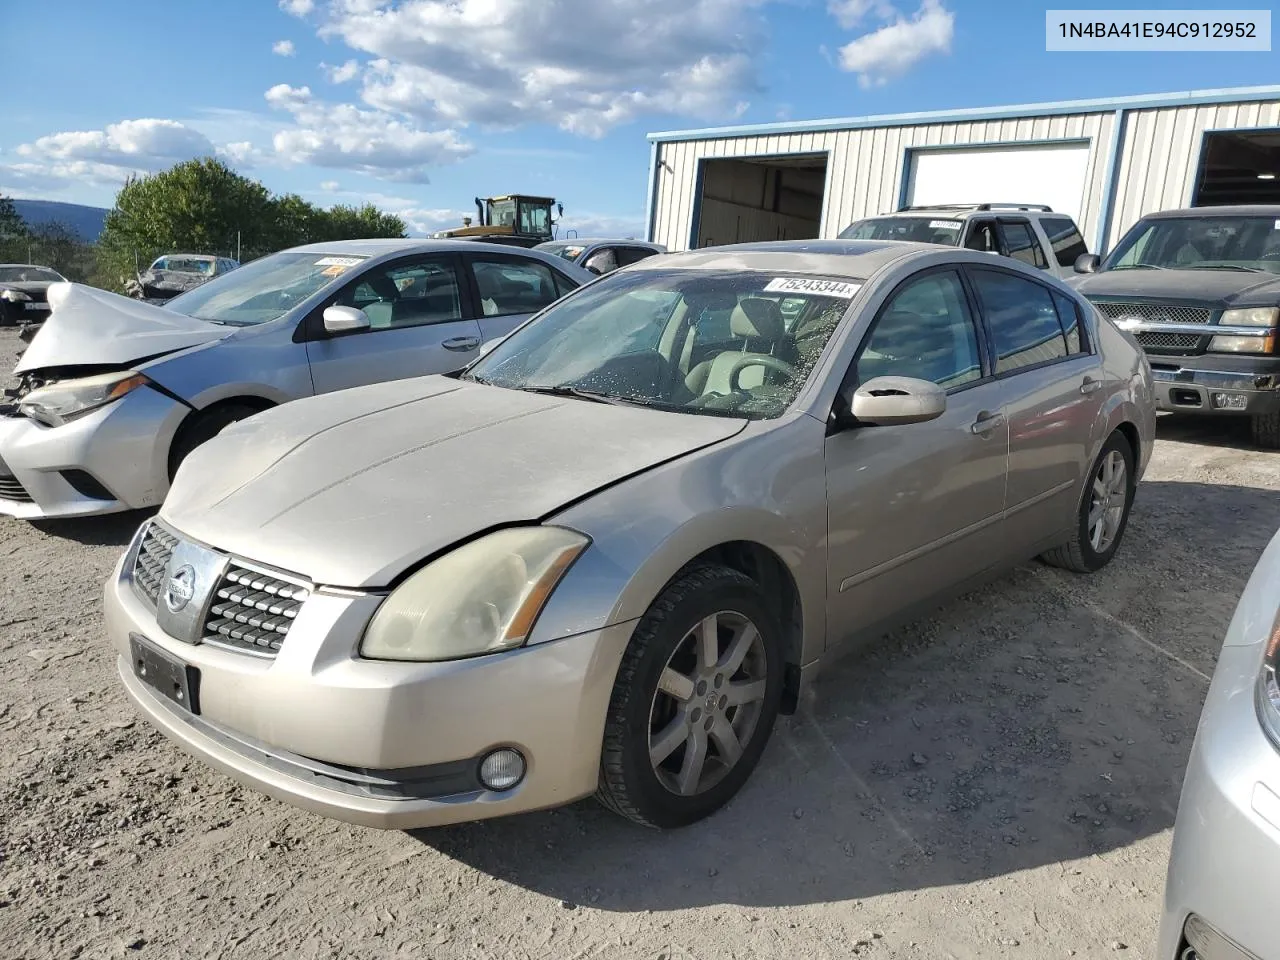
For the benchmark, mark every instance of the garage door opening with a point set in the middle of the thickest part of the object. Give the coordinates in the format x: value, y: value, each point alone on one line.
x: 1052, y: 174
x: 764, y: 198
x: 1239, y: 167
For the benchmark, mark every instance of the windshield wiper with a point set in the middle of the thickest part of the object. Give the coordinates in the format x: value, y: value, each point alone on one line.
x: 1139, y: 266
x: 1223, y: 266
x: 592, y: 395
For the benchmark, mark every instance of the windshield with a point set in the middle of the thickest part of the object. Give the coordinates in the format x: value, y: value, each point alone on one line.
x: 502, y: 213
x: 569, y: 251
x: 919, y: 229
x: 28, y: 275
x: 734, y: 343
x: 1200, y: 243
x: 185, y: 265
x: 263, y: 289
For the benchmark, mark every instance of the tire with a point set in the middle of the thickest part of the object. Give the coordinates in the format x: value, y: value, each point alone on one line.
x: 1079, y: 554
x: 1266, y: 430
x: 664, y: 649
x: 202, y: 427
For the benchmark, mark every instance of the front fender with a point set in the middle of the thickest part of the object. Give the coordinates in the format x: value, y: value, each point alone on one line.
x: 767, y: 486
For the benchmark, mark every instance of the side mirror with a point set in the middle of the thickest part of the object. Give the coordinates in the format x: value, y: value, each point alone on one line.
x: 1087, y: 263
x: 889, y: 401
x: 344, y: 319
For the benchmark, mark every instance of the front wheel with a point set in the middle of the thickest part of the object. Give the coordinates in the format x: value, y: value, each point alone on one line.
x: 1104, y: 511
x: 1266, y: 430
x: 694, y: 701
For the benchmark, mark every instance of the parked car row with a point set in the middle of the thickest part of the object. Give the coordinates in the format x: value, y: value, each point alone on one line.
x: 599, y: 551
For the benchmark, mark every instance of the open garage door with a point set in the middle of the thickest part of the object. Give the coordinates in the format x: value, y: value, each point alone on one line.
x: 1052, y: 174
x: 1239, y: 167
x: 764, y: 198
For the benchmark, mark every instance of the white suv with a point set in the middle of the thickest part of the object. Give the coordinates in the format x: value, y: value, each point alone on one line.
x: 1029, y: 232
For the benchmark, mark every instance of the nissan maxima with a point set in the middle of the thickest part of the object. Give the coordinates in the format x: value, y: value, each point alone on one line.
x: 605, y: 556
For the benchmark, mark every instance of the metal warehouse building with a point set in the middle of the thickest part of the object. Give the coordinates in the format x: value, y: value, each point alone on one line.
x: 1106, y: 162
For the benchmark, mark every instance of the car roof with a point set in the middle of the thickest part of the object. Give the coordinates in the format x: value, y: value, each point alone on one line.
x: 378, y: 247
x: 841, y: 258
x: 588, y: 241
x: 34, y: 266
x: 193, y: 256
x: 1237, y: 210
x: 960, y: 212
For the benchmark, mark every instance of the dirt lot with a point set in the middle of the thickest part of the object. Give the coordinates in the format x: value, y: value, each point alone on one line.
x: 997, y: 781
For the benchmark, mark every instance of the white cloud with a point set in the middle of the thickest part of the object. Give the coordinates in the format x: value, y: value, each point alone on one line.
x: 108, y: 156
x: 283, y: 48
x: 849, y: 13
x: 342, y: 74
x: 894, y: 49
x: 330, y: 186
x: 297, y: 8
x: 503, y: 63
x: 601, y: 225
x: 341, y: 136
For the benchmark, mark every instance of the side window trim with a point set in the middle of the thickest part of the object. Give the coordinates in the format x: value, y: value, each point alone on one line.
x: 986, y: 365
x: 311, y: 328
x: 968, y: 269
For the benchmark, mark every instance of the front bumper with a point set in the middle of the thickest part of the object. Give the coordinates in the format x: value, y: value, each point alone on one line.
x: 324, y: 730
x: 1216, y: 385
x: 122, y: 448
x: 1224, y: 868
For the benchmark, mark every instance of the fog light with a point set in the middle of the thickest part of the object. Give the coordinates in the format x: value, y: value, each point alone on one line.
x: 1231, y: 401
x: 502, y: 769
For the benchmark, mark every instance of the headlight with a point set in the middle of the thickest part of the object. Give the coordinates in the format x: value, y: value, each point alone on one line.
x: 480, y: 598
x: 14, y: 296
x: 1230, y: 344
x: 57, y: 403
x: 1251, y: 317
x: 1269, y: 687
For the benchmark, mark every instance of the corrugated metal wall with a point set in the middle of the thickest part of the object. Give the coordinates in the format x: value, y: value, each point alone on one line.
x: 1158, y: 167
x: 865, y: 166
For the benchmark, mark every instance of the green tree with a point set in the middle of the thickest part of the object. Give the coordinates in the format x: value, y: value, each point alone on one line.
x: 13, y: 233
x: 56, y: 245
x: 356, y: 223
x: 198, y: 206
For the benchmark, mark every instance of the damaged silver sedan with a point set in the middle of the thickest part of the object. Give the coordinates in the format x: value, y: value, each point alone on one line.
x: 115, y: 393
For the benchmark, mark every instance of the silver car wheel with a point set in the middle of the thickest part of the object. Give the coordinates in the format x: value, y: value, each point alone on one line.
x: 1108, y: 499
x: 708, y: 702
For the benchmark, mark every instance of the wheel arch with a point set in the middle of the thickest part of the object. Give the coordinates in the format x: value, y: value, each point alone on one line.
x: 255, y: 402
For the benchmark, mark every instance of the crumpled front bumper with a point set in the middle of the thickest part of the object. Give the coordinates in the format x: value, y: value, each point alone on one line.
x: 112, y: 459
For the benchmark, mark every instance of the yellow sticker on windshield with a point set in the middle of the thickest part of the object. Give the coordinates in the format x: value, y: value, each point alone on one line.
x: 818, y: 288
x: 333, y: 271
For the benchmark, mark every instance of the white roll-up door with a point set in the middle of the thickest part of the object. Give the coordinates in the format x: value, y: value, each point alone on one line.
x: 1053, y: 174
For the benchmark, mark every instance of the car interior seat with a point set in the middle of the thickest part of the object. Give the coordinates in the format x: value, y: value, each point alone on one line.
x: 758, y: 323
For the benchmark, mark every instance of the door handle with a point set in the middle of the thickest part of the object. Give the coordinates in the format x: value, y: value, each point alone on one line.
x: 987, y: 422
x: 1090, y: 385
x: 461, y: 344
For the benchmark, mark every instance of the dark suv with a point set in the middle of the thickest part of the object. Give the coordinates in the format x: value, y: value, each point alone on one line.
x: 1200, y: 291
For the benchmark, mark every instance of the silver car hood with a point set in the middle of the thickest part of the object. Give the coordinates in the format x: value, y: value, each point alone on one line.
x: 91, y: 326
x: 352, y: 488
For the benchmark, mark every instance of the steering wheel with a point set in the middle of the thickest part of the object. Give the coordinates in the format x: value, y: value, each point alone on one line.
x: 769, y: 363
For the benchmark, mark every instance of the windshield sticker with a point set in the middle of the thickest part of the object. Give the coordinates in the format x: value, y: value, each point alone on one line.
x: 335, y: 270
x: 944, y: 224
x: 338, y: 261
x: 1277, y: 226
x: 822, y: 288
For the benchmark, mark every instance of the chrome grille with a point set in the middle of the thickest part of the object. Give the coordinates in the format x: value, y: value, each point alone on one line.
x: 1168, y: 341
x: 11, y: 489
x: 253, y: 610
x: 1154, y: 312
x: 153, y: 556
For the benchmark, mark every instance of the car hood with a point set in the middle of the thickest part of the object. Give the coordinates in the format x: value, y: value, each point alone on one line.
x: 352, y: 488
x: 1220, y: 287
x: 91, y: 326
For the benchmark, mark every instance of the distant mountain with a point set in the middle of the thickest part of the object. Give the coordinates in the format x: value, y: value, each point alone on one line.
x: 86, y: 222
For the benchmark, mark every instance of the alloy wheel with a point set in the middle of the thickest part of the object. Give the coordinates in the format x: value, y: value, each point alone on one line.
x: 1108, y: 498
x: 709, y: 699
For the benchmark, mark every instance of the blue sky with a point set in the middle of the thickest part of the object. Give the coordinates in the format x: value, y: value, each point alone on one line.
x: 420, y: 105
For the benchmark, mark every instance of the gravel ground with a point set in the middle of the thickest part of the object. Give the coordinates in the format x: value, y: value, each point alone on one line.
x: 998, y: 780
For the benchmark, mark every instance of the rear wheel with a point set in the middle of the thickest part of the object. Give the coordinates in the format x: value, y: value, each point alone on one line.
x: 1266, y: 430
x: 202, y: 427
x: 694, y: 702
x: 1103, y: 513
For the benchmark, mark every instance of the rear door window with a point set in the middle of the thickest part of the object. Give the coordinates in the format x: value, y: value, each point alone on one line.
x: 1064, y: 238
x: 1022, y: 319
x: 512, y: 286
x: 1022, y: 244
